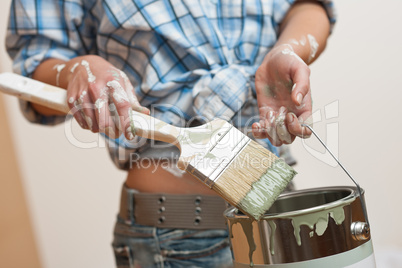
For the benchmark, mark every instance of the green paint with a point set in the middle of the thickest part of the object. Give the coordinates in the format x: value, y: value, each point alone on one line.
x: 210, y: 155
x: 272, y: 225
x: 269, y: 91
x: 351, y: 257
x: 115, y: 74
x: 266, y: 190
x: 132, y: 122
x: 198, y: 137
x: 289, y: 85
x: 247, y: 226
x: 319, y: 219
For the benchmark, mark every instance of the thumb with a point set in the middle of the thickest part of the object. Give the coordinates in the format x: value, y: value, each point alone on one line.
x: 301, y: 85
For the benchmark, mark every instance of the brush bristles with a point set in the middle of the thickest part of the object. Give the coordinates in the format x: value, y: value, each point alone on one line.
x: 247, y: 168
x: 251, y: 183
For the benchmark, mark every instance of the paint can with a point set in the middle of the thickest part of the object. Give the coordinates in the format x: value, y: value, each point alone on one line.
x: 320, y: 227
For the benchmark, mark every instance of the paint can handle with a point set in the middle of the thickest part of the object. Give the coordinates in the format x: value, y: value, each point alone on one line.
x: 344, y: 169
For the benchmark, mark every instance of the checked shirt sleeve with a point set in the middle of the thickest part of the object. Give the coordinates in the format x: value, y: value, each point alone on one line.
x: 43, y: 29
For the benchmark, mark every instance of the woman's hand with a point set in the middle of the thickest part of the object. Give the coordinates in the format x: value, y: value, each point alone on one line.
x: 284, y: 97
x: 100, y: 96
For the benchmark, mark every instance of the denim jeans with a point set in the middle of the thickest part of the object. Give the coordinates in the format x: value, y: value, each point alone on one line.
x: 148, y: 247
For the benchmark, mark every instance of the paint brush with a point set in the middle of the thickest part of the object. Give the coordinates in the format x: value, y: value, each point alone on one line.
x: 240, y: 170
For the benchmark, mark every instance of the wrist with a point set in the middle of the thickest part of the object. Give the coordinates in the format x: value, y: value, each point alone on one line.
x: 300, y: 48
x: 305, y: 46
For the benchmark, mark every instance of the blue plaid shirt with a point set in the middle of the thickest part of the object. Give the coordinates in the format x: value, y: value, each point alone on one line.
x: 185, y: 58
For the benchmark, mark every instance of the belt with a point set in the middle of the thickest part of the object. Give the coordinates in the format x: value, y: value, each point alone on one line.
x: 172, y: 210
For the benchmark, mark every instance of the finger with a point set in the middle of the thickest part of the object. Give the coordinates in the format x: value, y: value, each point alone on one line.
x: 135, y: 104
x: 88, y: 111
x: 294, y: 125
x: 281, y: 128
x: 258, y: 131
x: 75, y: 109
x: 123, y: 108
x: 114, y: 117
x: 102, y: 113
x: 267, y: 121
x: 79, y: 116
x: 307, y: 120
x: 269, y: 125
x: 301, y: 85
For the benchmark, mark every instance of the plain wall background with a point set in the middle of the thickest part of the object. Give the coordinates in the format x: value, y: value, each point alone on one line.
x: 73, y: 193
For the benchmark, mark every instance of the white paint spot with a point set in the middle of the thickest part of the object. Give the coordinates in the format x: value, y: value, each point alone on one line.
x: 271, y: 117
x: 81, y: 99
x: 119, y: 94
x: 313, y: 47
x: 112, y: 108
x: 294, y: 86
x: 289, y: 52
x: 281, y: 128
x: 99, y: 103
x: 294, y: 42
x: 130, y: 134
x: 59, y: 68
x: 91, y: 77
x: 74, y: 67
x: 71, y: 100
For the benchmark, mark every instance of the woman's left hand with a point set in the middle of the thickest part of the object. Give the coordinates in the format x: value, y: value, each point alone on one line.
x: 284, y: 98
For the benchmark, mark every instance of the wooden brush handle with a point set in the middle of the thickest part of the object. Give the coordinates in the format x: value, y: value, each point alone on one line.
x: 56, y: 98
x: 192, y: 142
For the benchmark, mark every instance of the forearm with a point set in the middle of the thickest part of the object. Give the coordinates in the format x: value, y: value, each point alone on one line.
x: 47, y: 72
x: 306, y: 28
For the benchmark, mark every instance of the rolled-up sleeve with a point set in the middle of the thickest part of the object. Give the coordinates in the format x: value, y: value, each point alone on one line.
x: 43, y: 29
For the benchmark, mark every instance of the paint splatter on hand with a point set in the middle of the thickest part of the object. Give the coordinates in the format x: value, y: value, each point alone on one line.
x: 284, y: 97
x: 101, y: 97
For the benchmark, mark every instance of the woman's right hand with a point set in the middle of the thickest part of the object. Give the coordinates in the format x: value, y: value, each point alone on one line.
x: 100, y: 96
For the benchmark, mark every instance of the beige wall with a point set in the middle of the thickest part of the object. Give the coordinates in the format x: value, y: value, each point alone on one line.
x: 73, y: 193
x: 17, y: 241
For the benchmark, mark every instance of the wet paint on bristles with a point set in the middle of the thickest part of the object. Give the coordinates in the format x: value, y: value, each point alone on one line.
x: 254, y: 180
x: 267, y: 189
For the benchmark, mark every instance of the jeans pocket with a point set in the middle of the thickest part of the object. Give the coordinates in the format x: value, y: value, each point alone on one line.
x: 123, y: 256
x: 209, y: 248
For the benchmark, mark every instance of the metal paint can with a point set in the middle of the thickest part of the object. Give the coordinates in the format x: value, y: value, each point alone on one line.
x: 320, y: 227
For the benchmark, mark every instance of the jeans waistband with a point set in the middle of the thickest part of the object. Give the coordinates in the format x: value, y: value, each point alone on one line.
x: 172, y: 210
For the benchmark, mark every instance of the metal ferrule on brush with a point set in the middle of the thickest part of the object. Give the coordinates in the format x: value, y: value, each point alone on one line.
x: 210, y: 166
